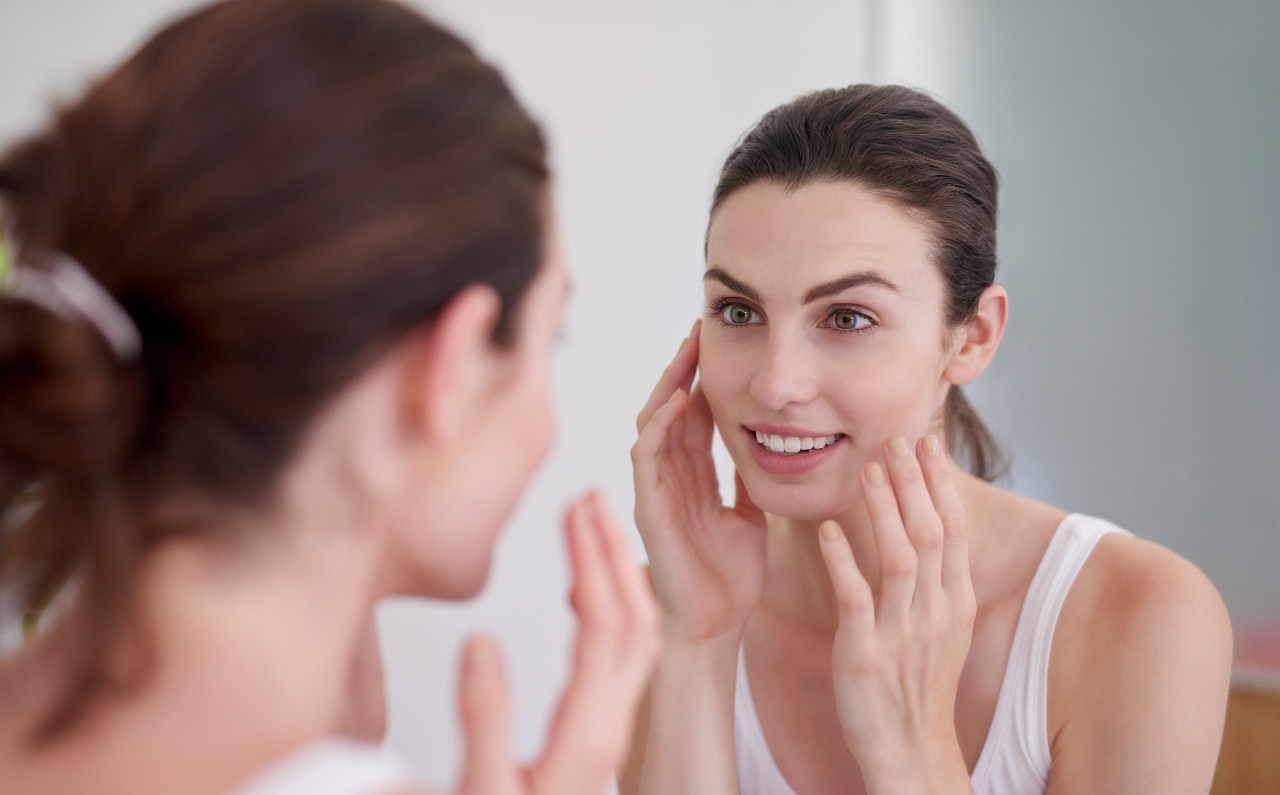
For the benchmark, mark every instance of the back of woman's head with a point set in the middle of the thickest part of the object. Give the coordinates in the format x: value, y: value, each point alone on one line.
x: 907, y: 147
x: 276, y: 191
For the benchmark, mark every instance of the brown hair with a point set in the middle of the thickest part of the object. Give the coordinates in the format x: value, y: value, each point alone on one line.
x: 906, y: 146
x: 276, y: 191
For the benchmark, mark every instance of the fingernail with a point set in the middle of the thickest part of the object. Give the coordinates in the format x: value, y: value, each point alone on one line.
x: 674, y: 395
x: 683, y: 343
x: 875, y: 473
x: 931, y: 446
x: 482, y: 655
x: 575, y: 517
x: 829, y: 529
x: 898, y: 446
x: 694, y: 329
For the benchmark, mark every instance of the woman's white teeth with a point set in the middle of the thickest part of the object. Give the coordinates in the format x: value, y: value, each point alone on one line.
x: 794, y: 444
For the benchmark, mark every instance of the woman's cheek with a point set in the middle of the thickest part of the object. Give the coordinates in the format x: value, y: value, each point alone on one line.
x: 882, y: 397
x: 727, y: 389
x: 716, y: 379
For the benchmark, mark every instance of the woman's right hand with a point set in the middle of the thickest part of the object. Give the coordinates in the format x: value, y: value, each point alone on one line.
x: 617, y: 645
x: 707, y: 559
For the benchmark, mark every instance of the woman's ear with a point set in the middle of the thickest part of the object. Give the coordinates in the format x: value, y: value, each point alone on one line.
x: 451, y: 365
x: 981, y: 338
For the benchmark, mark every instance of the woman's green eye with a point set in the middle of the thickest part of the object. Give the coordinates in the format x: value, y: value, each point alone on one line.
x: 847, y: 320
x: 737, y: 314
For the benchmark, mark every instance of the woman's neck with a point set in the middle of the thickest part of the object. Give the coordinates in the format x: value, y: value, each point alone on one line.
x: 797, y: 587
x: 252, y: 652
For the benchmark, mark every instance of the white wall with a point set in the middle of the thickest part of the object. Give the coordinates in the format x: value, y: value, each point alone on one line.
x: 642, y: 101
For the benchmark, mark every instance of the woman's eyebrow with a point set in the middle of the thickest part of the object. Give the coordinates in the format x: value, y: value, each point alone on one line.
x: 719, y: 275
x: 844, y: 283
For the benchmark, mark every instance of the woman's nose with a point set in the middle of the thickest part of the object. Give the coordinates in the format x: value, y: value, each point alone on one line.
x: 785, y: 377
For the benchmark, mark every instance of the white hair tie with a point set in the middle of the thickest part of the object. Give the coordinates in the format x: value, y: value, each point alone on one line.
x: 64, y: 288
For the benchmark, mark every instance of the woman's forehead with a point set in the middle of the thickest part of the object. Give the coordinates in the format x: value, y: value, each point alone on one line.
x: 788, y: 241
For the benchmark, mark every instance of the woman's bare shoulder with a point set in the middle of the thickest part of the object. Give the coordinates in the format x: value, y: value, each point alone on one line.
x: 1139, y: 670
x: 1134, y: 592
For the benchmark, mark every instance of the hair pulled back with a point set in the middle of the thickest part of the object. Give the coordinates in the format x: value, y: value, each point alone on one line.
x: 908, y: 147
x: 276, y: 191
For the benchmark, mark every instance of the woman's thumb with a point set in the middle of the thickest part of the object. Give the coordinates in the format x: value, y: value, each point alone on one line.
x: 482, y: 700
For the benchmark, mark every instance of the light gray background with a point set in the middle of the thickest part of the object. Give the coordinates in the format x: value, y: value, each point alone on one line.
x: 1140, y: 240
x: 1139, y: 237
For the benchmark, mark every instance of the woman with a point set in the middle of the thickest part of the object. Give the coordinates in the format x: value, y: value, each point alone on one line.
x: 871, y: 616
x: 276, y: 346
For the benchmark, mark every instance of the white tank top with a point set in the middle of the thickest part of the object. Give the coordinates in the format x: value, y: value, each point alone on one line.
x: 1015, y: 758
x: 333, y: 766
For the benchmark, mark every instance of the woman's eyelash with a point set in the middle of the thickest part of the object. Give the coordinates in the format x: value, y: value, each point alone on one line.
x: 721, y: 305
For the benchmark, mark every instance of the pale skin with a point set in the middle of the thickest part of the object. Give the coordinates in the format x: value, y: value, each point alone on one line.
x: 876, y: 593
x: 401, y: 487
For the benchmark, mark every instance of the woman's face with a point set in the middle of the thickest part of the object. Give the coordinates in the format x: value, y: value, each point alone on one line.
x: 825, y: 336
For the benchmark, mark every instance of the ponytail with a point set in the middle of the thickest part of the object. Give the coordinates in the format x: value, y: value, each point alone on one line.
x: 970, y: 443
x: 69, y: 412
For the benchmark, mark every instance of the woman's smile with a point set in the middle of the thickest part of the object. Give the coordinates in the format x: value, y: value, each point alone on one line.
x: 788, y: 441
x: 788, y: 451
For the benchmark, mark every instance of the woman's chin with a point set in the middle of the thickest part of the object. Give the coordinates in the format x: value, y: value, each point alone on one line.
x: 458, y: 583
x: 805, y: 503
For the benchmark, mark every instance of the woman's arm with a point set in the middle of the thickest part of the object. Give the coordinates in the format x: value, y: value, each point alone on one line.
x: 690, y: 746
x: 1139, y: 675
x: 689, y: 743
x: 629, y: 773
x: 707, y: 561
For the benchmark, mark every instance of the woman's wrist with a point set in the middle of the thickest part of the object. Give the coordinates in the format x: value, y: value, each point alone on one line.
x: 700, y: 642
x: 699, y: 651
x: 696, y: 672
x: 921, y: 768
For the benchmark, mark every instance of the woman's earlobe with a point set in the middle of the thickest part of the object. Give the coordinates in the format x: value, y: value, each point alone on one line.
x: 450, y: 364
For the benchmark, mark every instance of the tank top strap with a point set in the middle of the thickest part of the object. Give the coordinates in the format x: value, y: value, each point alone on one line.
x: 333, y: 766
x: 1016, y: 757
x: 758, y: 773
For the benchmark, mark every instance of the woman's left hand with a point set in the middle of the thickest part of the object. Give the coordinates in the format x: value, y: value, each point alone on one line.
x: 898, y: 654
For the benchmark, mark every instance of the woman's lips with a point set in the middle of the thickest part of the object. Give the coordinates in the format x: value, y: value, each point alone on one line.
x: 794, y: 459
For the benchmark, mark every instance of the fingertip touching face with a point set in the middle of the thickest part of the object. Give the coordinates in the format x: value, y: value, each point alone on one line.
x: 825, y: 335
